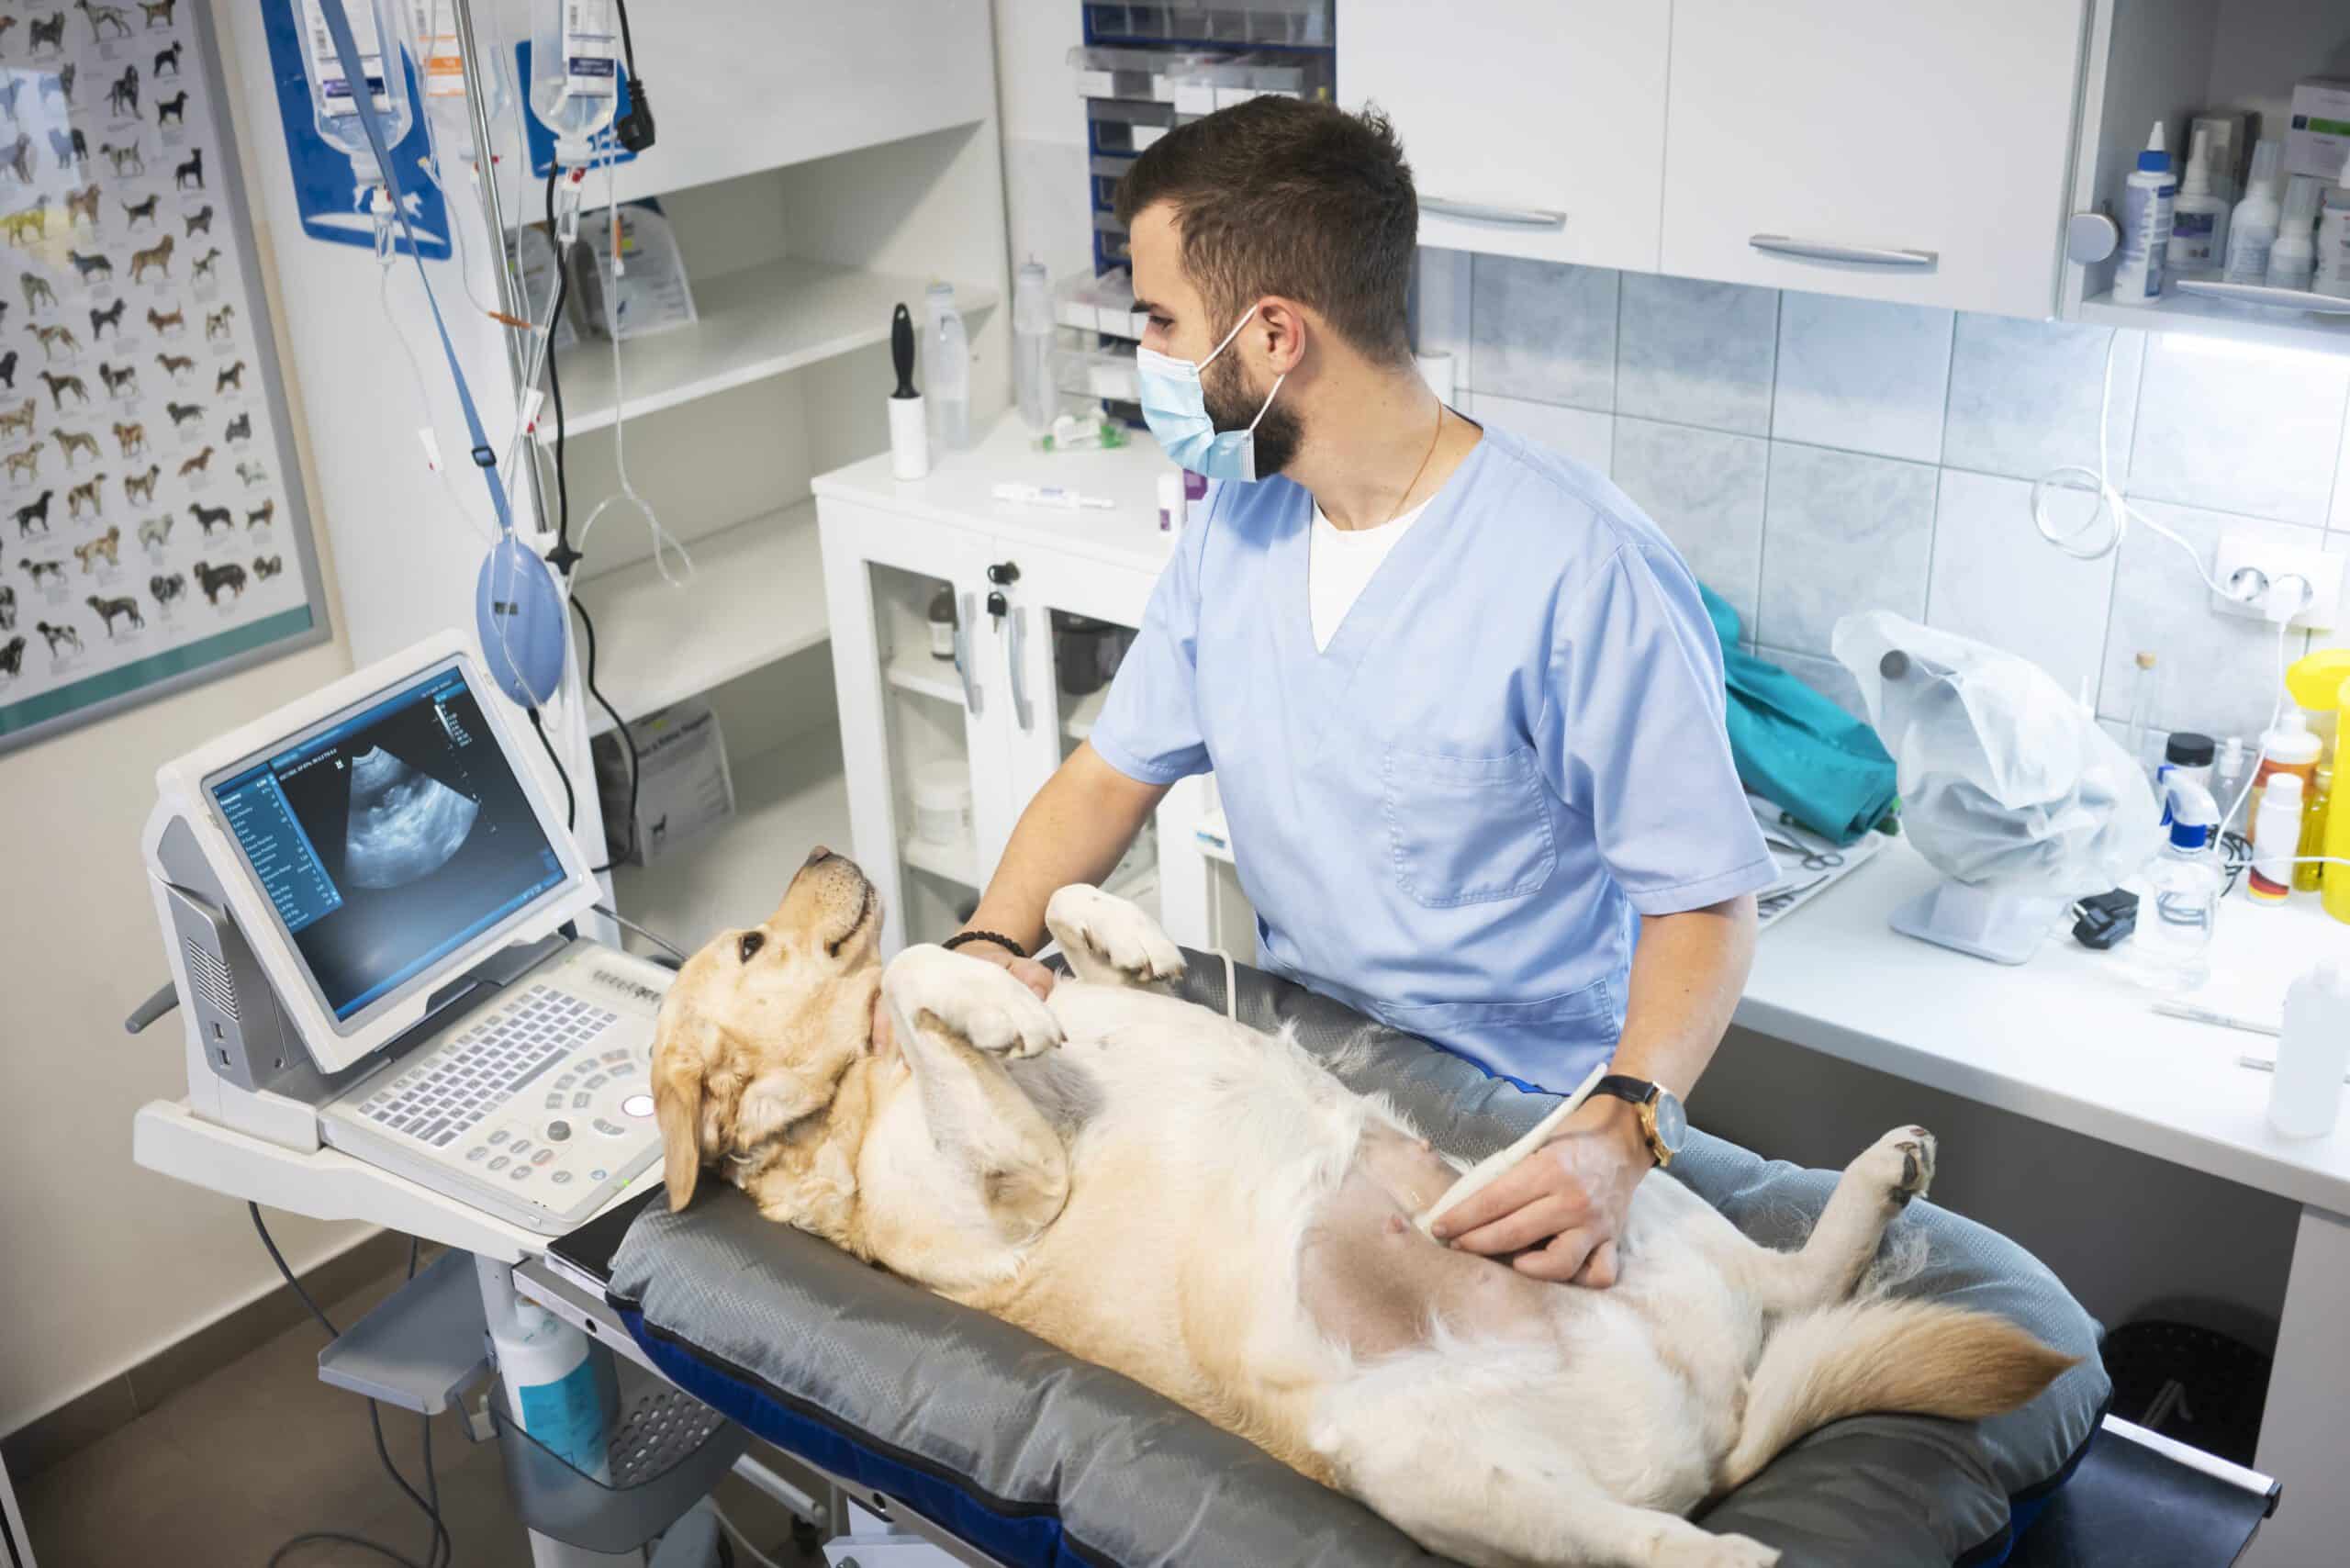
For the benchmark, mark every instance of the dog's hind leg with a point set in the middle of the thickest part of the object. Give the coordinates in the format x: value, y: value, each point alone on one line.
x: 1109, y: 941
x: 1872, y: 1192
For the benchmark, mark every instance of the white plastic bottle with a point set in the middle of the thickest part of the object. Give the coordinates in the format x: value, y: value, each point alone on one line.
x: 2198, y: 226
x: 946, y: 361
x: 2331, y: 275
x: 1031, y: 343
x: 2146, y: 225
x: 2277, y: 829
x: 2292, y: 262
x: 2252, y: 228
x: 574, y: 74
x: 554, y: 1387
x: 2312, y: 1053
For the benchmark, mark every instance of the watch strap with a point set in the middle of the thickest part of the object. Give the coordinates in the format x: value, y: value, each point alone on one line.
x: 1623, y: 1086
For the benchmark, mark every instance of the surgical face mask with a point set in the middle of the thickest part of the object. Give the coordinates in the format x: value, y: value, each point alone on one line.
x: 1175, y: 406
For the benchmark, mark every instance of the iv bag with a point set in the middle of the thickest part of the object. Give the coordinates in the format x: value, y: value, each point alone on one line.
x: 332, y: 109
x: 574, y: 74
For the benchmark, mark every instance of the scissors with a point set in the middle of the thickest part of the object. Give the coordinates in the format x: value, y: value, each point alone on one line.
x: 1813, y: 859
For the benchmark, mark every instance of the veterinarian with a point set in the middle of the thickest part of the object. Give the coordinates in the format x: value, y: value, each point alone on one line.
x: 1462, y: 697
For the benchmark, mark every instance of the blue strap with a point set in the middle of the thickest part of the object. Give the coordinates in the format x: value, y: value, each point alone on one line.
x: 338, y: 28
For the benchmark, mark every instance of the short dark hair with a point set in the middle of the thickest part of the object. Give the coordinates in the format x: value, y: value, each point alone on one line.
x: 1276, y: 196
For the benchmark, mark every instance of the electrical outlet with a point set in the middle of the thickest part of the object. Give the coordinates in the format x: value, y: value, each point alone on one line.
x: 2274, y: 560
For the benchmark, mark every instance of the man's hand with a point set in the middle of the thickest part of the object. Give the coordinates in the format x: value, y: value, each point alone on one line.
x: 1561, y: 1209
x: 1027, y: 971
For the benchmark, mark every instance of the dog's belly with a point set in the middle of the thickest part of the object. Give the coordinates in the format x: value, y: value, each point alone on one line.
x: 1372, y: 1282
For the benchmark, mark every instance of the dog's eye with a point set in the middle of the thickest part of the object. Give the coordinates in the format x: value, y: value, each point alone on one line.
x: 749, y: 947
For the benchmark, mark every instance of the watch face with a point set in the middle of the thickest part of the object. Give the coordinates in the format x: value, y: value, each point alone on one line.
x: 1672, y: 1121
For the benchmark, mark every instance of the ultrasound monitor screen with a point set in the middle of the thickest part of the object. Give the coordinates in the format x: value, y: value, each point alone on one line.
x: 389, y: 839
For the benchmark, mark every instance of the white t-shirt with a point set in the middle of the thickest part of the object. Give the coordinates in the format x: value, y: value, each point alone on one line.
x: 1340, y: 565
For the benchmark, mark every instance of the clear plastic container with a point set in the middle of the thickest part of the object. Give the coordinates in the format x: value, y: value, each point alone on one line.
x: 941, y: 799
x: 331, y: 106
x: 946, y: 363
x: 1104, y: 304
x: 1106, y: 372
x: 574, y: 74
x: 434, y: 43
x: 2171, y: 949
x: 1032, y: 345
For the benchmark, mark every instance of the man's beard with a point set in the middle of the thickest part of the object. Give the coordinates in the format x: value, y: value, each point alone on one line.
x: 1231, y: 404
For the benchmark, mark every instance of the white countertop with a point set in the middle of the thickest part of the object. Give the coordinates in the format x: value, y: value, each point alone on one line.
x: 2067, y: 1038
x: 955, y: 492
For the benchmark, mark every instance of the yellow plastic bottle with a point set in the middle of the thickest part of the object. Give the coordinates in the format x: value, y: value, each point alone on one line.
x: 2314, y: 682
x: 2310, y: 874
x: 2336, y: 887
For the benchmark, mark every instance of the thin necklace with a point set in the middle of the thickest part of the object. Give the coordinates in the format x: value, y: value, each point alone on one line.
x: 1435, y: 435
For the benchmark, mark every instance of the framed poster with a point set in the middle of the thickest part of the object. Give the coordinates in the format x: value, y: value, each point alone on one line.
x: 152, y: 529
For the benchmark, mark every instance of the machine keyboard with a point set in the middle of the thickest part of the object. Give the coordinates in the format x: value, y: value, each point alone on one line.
x: 477, y: 1073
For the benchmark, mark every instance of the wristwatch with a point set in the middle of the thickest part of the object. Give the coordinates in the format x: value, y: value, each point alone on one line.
x: 1662, y: 1121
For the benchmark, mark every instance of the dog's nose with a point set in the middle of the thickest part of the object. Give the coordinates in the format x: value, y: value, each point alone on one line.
x: 818, y: 855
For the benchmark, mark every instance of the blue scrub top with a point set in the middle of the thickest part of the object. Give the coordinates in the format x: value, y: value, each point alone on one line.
x: 1513, y: 744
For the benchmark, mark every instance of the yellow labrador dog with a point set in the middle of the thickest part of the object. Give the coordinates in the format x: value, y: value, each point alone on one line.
x: 1207, y: 1210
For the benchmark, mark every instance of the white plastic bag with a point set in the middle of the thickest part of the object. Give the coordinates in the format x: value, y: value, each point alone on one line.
x: 2006, y: 783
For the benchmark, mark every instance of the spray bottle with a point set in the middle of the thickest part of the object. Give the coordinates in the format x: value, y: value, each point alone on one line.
x: 2293, y: 262
x: 2172, y: 950
x: 2146, y: 225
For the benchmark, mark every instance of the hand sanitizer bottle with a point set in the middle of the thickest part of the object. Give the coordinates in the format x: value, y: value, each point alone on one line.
x: 2146, y: 225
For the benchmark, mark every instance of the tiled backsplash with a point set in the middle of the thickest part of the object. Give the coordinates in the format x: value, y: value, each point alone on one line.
x: 1812, y: 457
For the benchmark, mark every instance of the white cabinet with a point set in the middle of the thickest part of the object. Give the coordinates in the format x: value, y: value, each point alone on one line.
x: 1535, y: 128
x: 1045, y: 604
x: 1916, y: 153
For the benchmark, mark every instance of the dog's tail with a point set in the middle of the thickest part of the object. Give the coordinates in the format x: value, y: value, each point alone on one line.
x: 1907, y: 1357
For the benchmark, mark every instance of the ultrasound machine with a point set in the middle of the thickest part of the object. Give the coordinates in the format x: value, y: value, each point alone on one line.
x: 368, y: 905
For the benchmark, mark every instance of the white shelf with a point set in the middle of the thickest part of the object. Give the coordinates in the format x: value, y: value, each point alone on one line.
x: 756, y: 596
x: 787, y: 800
x: 2208, y: 318
x: 925, y: 675
x: 958, y: 863
x: 761, y: 321
x: 1078, y: 721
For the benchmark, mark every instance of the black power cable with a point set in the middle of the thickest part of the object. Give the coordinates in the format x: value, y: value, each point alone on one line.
x: 563, y: 558
x: 570, y: 801
x: 634, y: 129
x: 443, y: 1549
x: 628, y: 741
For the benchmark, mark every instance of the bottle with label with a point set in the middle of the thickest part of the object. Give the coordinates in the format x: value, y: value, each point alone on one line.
x: 2199, y: 229
x: 2292, y: 262
x: 2330, y: 274
x: 946, y: 361
x: 2287, y: 748
x: 2146, y: 225
x: 2252, y: 228
x: 332, y: 106
x: 2277, y: 829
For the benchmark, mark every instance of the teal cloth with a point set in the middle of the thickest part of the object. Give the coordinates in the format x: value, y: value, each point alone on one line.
x: 1794, y: 746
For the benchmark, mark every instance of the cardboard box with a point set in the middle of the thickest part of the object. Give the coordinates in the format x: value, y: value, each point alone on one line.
x: 2317, y: 135
x: 684, y: 788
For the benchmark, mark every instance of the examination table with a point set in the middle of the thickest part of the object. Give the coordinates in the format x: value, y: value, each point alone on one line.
x: 1030, y: 1456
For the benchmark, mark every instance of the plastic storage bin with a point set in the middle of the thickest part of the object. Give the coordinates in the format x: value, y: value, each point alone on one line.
x: 1107, y: 373
x: 667, y: 1450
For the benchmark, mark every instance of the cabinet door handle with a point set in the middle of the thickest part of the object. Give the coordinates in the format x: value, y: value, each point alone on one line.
x: 1824, y: 251
x: 1490, y: 212
x: 1016, y: 655
x: 971, y: 693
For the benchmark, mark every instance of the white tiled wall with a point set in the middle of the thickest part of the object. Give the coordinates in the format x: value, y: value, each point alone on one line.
x: 1812, y: 457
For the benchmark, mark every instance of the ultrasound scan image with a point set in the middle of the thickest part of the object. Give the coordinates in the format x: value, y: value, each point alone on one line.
x: 404, y: 824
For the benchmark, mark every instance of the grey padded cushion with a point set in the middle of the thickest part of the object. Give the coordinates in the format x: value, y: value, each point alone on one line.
x: 1135, y: 1479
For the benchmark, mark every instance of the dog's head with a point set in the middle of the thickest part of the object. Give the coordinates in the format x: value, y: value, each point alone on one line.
x: 762, y: 1024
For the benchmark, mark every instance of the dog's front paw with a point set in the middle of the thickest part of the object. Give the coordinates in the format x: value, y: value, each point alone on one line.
x: 1090, y: 924
x: 1901, y: 1163
x: 977, y: 1002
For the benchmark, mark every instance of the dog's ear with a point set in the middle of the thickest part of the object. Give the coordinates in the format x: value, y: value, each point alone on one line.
x: 680, y: 1061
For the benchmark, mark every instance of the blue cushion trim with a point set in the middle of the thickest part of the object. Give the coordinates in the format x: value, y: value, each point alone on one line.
x: 1026, y: 1535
